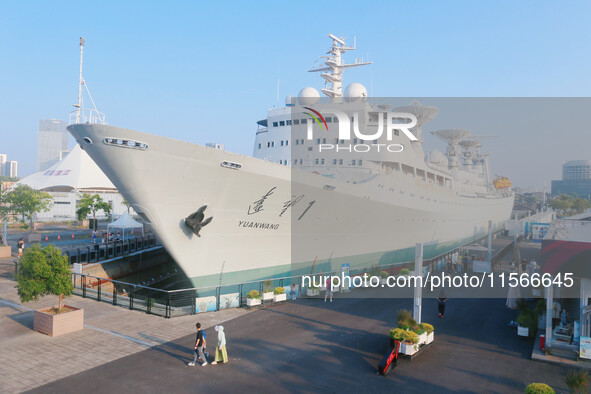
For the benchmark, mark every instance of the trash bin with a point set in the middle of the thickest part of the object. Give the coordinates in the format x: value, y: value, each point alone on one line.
x: 542, y: 341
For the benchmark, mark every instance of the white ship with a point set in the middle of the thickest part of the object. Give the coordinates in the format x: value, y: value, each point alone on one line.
x: 300, y: 206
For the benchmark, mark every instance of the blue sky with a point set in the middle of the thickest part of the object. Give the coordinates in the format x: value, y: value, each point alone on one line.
x: 207, y: 71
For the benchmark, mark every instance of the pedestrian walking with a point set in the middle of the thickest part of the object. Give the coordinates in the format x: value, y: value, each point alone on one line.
x: 441, y: 300
x: 198, y: 352
x: 20, y: 246
x: 328, y: 285
x: 221, y: 354
x: 293, y: 291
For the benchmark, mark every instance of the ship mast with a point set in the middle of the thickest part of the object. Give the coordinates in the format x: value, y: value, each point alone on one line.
x: 81, y: 114
x: 334, y: 64
x: 80, y: 83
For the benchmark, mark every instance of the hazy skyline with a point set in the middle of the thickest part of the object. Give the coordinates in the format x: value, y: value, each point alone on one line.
x: 206, y: 72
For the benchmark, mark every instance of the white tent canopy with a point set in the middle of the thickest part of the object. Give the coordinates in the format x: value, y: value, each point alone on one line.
x: 75, y: 171
x: 125, y: 222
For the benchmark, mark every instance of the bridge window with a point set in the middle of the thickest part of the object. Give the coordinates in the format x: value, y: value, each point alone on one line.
x: 275, y: 124
x: 282, y: 123
x: 296, y: 121
x: 288, y: 122
x: 259, y: 146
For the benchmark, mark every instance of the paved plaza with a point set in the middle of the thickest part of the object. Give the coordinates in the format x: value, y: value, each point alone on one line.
x: 302, y: 346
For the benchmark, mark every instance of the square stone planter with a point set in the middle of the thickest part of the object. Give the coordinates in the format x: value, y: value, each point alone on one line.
x: 253, y: 301
x: 268, y: 296
x: 280, y: 297
x: 60, y: 324
x: 408, y: 349
x: 312, y: 292
x: 5, y: 252
x: 423, y: 338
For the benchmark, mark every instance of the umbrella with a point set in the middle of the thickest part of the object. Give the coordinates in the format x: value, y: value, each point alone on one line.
x: 513, y: 296
x: 516, y: 256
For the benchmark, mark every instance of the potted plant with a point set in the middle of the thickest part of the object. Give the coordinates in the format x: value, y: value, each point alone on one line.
x: 422, y: 334
x: 428, y: 328
x: 404, y: 272
x: 267, y: 293
x: 253, y: 298
x: 396, y: 334
x: 313, y: 290
x: 539, y: 388
x: 410, y: 343
x: 527, y: 323
x: 44, y: 271
x: 279, y: 294
x: 383, y: 277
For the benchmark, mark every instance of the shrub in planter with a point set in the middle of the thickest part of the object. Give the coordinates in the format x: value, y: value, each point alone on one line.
x: 577, y: 380
x: 528, y: 319
x: 253, y: 294
x: 253, y: 298
x: 267, y: 290
x: 422, y: 334
x: 428, y: 328
x: 409, y: 345
x: 383, y: 277
x: 539, y: 388
x: 406, y: 321
x: 44, y: 271
x: 404, y: 271
x: 279, y: 294
x: 396, y: 334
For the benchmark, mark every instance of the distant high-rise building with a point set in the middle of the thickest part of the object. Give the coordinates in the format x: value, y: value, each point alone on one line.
x: 2, y: 163
x: 12, y: 168
x: 576, y: 179
x: 52, y: 140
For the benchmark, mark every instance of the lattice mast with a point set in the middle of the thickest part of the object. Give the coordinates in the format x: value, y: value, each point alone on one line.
x: 334, y: 64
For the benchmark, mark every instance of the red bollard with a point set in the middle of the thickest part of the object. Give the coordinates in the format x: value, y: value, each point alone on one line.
x: 542, y: 342
x: 72, y: 236
x: 58, y: 237
x: 47, y: 239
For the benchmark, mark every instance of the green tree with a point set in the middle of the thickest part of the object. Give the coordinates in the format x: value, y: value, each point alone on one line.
x: 24, y: 201
x: 90, y: 205
x: 5, y: 211
x: 127, y: 205
x: 44, y: 271
x: 580, y: 204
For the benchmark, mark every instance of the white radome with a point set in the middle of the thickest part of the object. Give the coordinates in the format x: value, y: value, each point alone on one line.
x: 289, y: 100
x: 308, y: 96
x: 437, y: 158
x: 355, y: 92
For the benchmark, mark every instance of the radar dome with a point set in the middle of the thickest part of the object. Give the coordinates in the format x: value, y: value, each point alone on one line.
x: 308, y: 96
x: 355, y: 92
x: 437, y: 158
x: 289, y: 100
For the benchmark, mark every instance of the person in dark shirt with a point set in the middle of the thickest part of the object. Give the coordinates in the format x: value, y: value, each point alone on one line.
x: 441, y: 300
x: 199, y: 343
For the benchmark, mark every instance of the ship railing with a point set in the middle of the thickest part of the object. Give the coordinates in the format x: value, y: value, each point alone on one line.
x: 171, y: 303
x: 87, y: 115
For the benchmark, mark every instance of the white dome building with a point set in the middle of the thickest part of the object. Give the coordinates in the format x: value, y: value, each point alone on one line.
x: 67, y: 180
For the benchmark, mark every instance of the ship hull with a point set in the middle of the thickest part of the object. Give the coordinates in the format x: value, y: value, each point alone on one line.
x: 269, y: 220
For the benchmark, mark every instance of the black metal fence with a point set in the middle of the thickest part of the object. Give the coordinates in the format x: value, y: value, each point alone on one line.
x: 171, y: 303
x: 104, y: 251
x: 8, y: 270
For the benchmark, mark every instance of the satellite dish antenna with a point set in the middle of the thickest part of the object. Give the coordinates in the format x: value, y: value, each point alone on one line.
x: 424, y: 114
x: 453, y: 138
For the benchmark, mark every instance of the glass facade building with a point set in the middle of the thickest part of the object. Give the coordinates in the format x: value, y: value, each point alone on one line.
x: 52, y: 140
x: 576, y: 179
